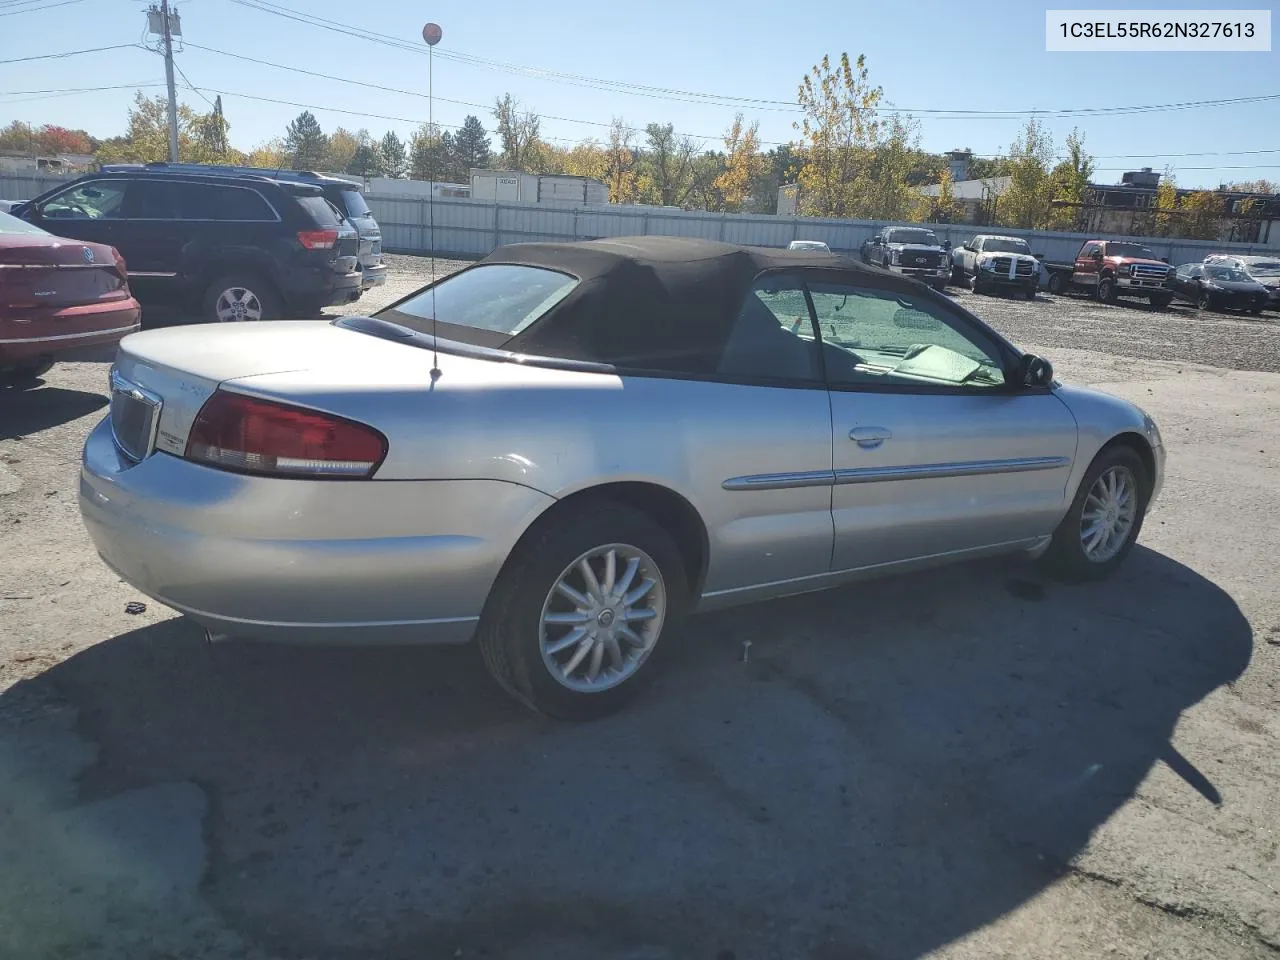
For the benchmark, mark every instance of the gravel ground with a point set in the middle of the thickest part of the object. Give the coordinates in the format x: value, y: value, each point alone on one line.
x: 968, y: 764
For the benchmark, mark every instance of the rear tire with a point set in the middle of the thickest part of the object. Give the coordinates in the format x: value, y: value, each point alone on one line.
x: 1073, y: 554
x: 1057, y: 283
x: 239, y: 297
x: 529, y: 613
x: 24, y: 374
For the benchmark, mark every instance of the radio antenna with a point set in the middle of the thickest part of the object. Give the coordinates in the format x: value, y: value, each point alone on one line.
x: 432, y: 34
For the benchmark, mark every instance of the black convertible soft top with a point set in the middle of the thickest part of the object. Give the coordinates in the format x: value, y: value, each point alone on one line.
x: 657, y: 302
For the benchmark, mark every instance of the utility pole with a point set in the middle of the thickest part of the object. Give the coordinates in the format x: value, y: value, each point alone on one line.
x: 168, y: 79
x: 162, y: 21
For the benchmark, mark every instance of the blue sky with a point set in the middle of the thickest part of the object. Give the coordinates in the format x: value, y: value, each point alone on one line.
x: 926, y: 55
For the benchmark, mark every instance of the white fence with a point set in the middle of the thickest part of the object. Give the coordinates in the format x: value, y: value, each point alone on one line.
x: 472, y: 228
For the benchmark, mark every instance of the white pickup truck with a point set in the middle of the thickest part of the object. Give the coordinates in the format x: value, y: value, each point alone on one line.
x: 987, y: 263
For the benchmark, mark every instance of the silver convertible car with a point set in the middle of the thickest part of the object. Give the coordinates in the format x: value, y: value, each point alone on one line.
x: 563, y: 449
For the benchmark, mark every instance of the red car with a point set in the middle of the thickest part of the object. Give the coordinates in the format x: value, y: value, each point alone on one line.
x: 57, y: 295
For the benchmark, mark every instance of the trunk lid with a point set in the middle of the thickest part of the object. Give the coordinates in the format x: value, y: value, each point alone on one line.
x: 43, y: 275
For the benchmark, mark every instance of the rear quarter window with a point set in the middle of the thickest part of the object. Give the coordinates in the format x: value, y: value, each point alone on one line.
x: 205, y: 201
x: 353, y: 202
x: 320, y: 211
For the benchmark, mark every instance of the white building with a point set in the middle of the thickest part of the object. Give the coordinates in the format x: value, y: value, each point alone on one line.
x: 516, y: 187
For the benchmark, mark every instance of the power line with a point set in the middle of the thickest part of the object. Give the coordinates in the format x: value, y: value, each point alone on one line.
x: 71, y: 53
x: 194, y: 89
x: 62, y: 3
x: 117, y: 86
x: 617, y: 86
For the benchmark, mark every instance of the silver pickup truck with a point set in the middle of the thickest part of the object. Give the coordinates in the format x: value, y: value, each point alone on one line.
x: 987, y: 263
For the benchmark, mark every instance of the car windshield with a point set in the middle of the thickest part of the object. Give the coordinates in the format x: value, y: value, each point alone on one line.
x: 1130, y: 250
x: 1265, y: 268
x: 10, y: 224
x: 1004, y: 245
x: 1230, y: 274
x: 925, y: 237
x: 354, y: 201
x: 495, y: 298
x: 808, y: 245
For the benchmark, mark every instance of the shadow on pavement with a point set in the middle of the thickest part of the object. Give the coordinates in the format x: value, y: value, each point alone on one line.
x: 894, y: 766
x: 27, y: 411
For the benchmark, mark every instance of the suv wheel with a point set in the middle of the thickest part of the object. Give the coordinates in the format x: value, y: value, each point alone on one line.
x: 574, y: 621
x: 1107, y: 290
x: 239, y: 297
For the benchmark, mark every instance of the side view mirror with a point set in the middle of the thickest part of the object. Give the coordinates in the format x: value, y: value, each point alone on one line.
x: 1035, y: 371
x: 946, y: 244
x: 1164, y: 259
x: 1038, y: 256
x: 1097, y: 255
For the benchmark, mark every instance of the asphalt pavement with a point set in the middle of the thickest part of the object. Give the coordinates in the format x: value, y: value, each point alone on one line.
x: 974, y: 762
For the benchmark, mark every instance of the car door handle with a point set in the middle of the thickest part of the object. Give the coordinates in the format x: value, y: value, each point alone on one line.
x: 869, y: 437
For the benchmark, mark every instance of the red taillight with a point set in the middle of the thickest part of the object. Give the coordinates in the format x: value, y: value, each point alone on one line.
x: 317, y: 239
x: 240, y: 433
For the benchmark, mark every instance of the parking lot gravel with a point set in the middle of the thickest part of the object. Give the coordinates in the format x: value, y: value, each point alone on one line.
x: 973, y: 763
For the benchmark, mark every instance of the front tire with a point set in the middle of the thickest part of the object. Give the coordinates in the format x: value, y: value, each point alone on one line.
x: 976, y: 284
x: 1107, y: 290
x: 1161, y: 302
x: 1104, y: 519
x: 1204, y: 302
x: 239, y: 297
x: 573, y: 624
x: 1029, y: 293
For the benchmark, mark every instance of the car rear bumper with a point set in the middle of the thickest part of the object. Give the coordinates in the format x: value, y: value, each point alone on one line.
x: 51, y: 332
x: 373, y: 276
x: 303, y: 560
x: 311, y: 288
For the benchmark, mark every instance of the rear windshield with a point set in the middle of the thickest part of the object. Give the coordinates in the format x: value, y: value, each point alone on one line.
x: 353, y: 200
x: 485, y: 305
x: 11, y: 224
x: 324, y: 213
x: 1265, y: 268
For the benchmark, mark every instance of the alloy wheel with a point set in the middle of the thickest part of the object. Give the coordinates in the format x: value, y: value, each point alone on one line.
x: 236, y: 304
x: 1109, y: 513
x: 602, y: 617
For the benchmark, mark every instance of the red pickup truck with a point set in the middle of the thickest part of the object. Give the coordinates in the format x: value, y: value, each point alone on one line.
x: 1114, y: 268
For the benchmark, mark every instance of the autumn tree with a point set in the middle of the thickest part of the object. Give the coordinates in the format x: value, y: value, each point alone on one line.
x: 146, y: 139
x: 395, y: 164
x: 1028, y: 201
x: 743, y: 163
x: 781, y: 165
x: 837, y: 133
x: 342, y: 149
x: 1070, y: 181
x: 945, y: 208
x: 1202, y: 214
x: 589, y: 158
x: 518, y: 132
x: 620, y: 173
x: 19, y: 137
x: 1255, y: 186
x: 270, y: 155
x: 306, y: 143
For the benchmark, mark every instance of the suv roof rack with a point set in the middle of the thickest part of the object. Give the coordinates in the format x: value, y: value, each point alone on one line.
x: 215, y: 169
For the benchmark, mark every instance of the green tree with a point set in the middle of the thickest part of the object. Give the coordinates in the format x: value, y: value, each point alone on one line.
x: 471, y: 150
x: 270, y: 155
x: 306, y: 143
x: 1028, y: 201
x: 743, y: 164
x: 395, y: 164
x: 367, y: 160
x: 519, y: 133
x: 666, y: 167
x: 428, y: 154
x: 885, y: 190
